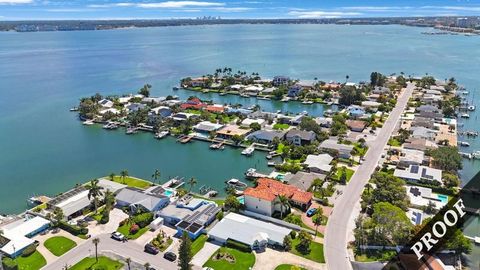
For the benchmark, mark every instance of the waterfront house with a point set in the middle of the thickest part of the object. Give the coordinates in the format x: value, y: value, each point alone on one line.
x: 133, y: 107
x: 411, y: 157
x: 280, y: 80
x: 229, y: 131
x: 125, y: 99
x: 241, y: 111
x: 147, y: 200
x: 263, y: 198
x: 262, y: 115
x: 249, y: 231
x: 343, y: 150
x: 423, y: 122
x: 428, y: 108
x: 248, y: 121
x: 434, y: 116
x: 215, y: 108
x: 319, y: 163
x: 300, y: 137
x: 297, y: 119
x: 423, y: 133
x: 105, y: 103
x: 206, y: 127
x: 190, y: 215
x: 356, y: 125
x: 193, y: 103
x: 419, y: 144
x: 266, y: 136
x: 109, y: 110
x: 197, y: 82
x: 416, y: 173
x: 431, y: 99
x: 294, y: 90
x: 422, y: 196
x: 162, y: 111
x: 302, y: 180
x: 253, y: 90
x: 153, y: 100
x: 355, y: 111
x: 18, y: 234
x: 72, y: 203
x: 181, y: 116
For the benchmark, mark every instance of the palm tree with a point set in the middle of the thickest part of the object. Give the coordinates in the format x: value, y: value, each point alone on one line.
x: 192, y: 182
x: 96, y: 241
x: 156, y: 175
x: 284, y: 203
x: 94, y: 191
x: 123, y: 174
x: 368, y: 186
x: 317, y: 219
x: 128, y: 261
x: 108, y: 199
x: 346, y: 78
x: 112, y: 176
x: 147, y: 266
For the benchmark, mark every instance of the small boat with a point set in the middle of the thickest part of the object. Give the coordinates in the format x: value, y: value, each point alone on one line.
x: 465, y: 144
x: 466, y: 155
x: 328, y: 113
x: 110, y: 126
x: 285, y: 99
x: 465, y: 115
x: 217, y: 146
x: 465, y: 93
x: 175, y: 88
x: 271, y: 164
x: 307, y: 102
x: 74, y: 109
x: 88, y: 122
x: 244, y: 95
x: 223, y: 93
x: 235, y: 183
x: 131, y: 130
x: 248, y: 151
x: 265, y: 98
x: 211, y: 194
x: 162, y: 134
x: 471, y: 108
x: 205, y: 91
x: 476, y: 155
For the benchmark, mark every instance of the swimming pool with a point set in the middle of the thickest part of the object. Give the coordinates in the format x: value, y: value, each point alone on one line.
x: 168, y: 193
x: 442, y: 198
x: 241, y: 199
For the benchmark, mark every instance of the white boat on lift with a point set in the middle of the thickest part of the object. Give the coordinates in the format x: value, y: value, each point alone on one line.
x: 88, y: 122
x: 162, y: 134
x: 235, y: 183
x: 465, y: 144
x: 465, y: 115
x: 248, y: 151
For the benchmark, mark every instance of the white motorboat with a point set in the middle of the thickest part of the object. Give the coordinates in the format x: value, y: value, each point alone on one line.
x: 471, y: 108
x: 465, y: 115
x: 110, y: 126
x: 235, y: 183
x: 248, y: 151
x: 88, y: 122
x: 162, y: 134
x: 465, y: 144
x: 307, y: 102
x: 285, y: 99
x: 131, y: 130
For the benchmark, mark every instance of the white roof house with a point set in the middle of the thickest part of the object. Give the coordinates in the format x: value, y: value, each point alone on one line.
x: 106, y: 103
x: 319, y: 163
x: 371, y: 104
x: 124, y: 100
x: 248, y: 121
x: 18, y: 234
x: 422, y: 196
x: 416, y: 173
x: 74, y: 203
x: 112, y: 110
x: 247, y: 230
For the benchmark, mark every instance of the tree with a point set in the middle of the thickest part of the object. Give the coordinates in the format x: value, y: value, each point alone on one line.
x: 389, y: 189
x: 112, y: 176
x: 305, y: 239
x: 343, y: 175
x: 96, y: 241
x: 147, y: 266
x: 185, y: 253
x: 377, y: 79
x: 237, y: 139
x: 192, y: 182
x: 450, y: 180
x: 287, y: 242
x: 57, y: 215
x: 446, y: 158
x: 108, y: 199
x: 431, y: 209
x: 156, y: 175
x: 350, y: 95
x: 317, y: 219
x: 459, y: 243
x: 145, y: 90
x: 232, y: 204
x: 124, y: 174
x: 94, y: 191
x: 128, y: 261
x: 255, y: 126
x: 339, y: 126
x: 284, y: 204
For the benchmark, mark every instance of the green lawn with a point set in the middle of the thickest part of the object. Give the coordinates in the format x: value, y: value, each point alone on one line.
x: 348, y: 171
x: 280, y: 148
x: 103, y: 263
x: 59, y: 245
x: 32, y: 262
x: 243, y: 260
x: 374, y: 255
x: 125, y: 230
x: 198, y: 244
x: 219, y: 202
x: 131, y: 181
x: 394, y: 142
x: 316, y: 251
x: 360, y: 151
x: 288, y: 267
x: 280, y: 126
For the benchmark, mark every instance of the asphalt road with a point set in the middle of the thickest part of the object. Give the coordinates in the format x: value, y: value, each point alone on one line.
x: 127, y: 250
x: 340, y: 222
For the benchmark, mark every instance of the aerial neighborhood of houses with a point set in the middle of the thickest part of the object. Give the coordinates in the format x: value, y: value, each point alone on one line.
x: 272, y: 218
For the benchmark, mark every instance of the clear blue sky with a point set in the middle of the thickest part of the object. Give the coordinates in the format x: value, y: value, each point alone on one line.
x: 157, y: 9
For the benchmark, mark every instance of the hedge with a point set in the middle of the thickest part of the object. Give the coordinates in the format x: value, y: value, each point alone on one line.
x: 9, y: 264
x: 237, y: 245
x: 75, y: 230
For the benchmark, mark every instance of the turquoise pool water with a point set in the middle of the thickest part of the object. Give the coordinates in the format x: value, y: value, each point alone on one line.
x: 241, y: 199
x: 442, y: 198
x: 168, y: 193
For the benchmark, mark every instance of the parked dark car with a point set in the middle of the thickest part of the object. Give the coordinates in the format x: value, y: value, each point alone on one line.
x: 149, y: 248
x: 170, y: 256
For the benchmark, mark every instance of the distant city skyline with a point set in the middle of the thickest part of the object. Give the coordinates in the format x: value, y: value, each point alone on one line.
x: 154, y: 9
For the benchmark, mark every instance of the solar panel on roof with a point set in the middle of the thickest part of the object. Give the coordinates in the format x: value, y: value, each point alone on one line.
x: 414, y: 169
x: 183, y: 224
x: 194, y: 227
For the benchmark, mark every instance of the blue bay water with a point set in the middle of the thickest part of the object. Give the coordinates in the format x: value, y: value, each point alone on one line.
x: 45, y: 150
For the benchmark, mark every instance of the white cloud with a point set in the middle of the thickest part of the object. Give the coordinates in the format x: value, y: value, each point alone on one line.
x: 14, y: 2
x: 180, y: 4
x: 231, y: 9
x: 321, y: 14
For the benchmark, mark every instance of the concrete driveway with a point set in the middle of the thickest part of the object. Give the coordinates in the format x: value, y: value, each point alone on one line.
x: 116, y: 216
x: 204, y: 254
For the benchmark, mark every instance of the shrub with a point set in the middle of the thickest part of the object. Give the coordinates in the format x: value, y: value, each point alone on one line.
x: 105, y: 217
x: 9, y: 264
x: 134, y: 229
x: 293, y: 234
x: 29, y: 250
x: 143, y: 220
x: 75, y: 230
x: 237, y: 245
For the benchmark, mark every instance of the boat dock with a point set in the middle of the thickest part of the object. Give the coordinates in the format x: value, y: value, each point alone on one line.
x: 253, y: 174
x: 184, y: 139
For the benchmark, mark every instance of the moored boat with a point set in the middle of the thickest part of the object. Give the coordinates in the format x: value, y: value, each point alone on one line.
x: 248, y: 151
x: 131, y: 130
x: 465, y: 115
x: 162, y: 134
x: 88, y: 122
x: 235, y: 183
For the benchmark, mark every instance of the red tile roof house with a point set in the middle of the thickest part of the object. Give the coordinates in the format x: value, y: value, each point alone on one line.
x: 356, y: 125
x: 263, y: 198
x: 193, y: 103
x: 215, y: 109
